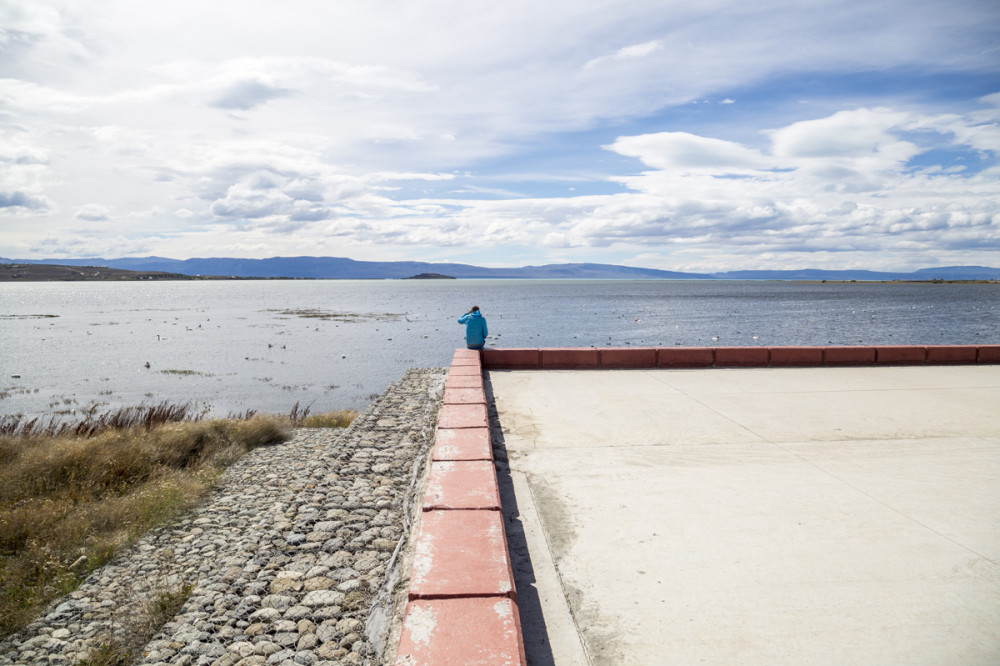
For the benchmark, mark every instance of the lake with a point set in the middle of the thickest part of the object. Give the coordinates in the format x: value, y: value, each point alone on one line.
x: 268, y: 344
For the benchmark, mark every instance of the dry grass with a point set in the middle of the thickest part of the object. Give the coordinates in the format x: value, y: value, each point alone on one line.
x: 338, y: 419
x: 68, y: 502
x: 91, y: 422
x: 300, y: 418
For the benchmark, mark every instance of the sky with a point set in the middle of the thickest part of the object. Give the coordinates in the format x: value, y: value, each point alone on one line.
x: 691, y: 136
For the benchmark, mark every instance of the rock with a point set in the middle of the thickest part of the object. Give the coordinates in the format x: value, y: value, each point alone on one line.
x: 305, y: 657
x: 319, y: 583
x: 349, y: 585
x: 282, y: 585
x: 283, y: 626
x: 266, y: 615
x: 255, y: 660
x: 298, y: 612
x: 331, y: 651
x: 277, y: 601
x: 322, y: 598
x: 307, y: 642
x: 254, y: 629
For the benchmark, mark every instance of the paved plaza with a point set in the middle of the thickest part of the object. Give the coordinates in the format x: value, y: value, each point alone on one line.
x: 754, y: 516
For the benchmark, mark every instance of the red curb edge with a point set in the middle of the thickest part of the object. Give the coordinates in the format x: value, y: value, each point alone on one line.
x: 627, y: 357
x: 462, y: 605
x: 796, y: 356
x: 743, y: 357
x: 462, y: 485
x: 952, y: 354
x: 477, y: 630
x: 989, y: 354
x: 462, y: 444
x: 511, y: 359
x: 569, y: 358
x: 848, y: 355
x: 592, y: 358
x: 685, y: 357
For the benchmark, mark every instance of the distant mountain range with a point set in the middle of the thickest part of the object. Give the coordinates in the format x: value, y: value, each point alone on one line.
x: 342, y: 268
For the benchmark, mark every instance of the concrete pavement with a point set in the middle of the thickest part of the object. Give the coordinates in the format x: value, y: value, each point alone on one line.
x: 754, y: 516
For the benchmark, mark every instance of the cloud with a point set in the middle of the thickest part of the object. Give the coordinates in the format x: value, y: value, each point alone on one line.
x: 410, y: 175
x: 846, y: 135
x: 29, y: 29
x: 254, y: 197
x: 20, y: 156
x: 247, y: 94
x: 632, y: 52
x: 681, y: 150
x: 22, y: 200
x: 93, y: 213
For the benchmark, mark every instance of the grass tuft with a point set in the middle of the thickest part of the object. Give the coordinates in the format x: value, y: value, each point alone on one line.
x: 300, y: 418
x: 338, y: 419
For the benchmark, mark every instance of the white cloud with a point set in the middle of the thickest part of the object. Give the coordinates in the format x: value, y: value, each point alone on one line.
x: 687, y: 152
x: 626, y: 53
x: 21, y: 200
x: 92, y: 213
x: 396, y: 176
x: 248, y: 93
x: 846, y: 137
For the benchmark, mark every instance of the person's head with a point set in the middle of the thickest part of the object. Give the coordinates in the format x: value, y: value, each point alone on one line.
x: 474, y: 308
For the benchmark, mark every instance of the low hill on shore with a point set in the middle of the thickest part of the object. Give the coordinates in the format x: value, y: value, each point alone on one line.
x: 57, y: 273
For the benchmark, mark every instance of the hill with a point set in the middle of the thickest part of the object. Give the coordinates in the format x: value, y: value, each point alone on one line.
x: 344, y: 268
x: 26, y: 272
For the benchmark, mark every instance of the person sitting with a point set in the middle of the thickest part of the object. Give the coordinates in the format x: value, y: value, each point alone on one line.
x: 475, y: 328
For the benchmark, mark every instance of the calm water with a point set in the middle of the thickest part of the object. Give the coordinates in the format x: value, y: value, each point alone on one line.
x: 266, y: 345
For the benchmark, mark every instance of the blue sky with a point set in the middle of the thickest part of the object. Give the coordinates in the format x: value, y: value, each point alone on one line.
x: 685, y: 136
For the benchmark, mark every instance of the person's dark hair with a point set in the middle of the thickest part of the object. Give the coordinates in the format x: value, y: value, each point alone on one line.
x: 474, y: 308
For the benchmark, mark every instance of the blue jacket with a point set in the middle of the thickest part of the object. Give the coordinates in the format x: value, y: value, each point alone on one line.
x: 475, y: 328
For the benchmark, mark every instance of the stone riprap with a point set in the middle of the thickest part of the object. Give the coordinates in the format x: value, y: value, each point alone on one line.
x: 297, y: 557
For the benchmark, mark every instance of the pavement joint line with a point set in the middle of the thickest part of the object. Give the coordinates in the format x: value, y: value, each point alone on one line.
x: 694, y: 397
x: 882, y: 503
